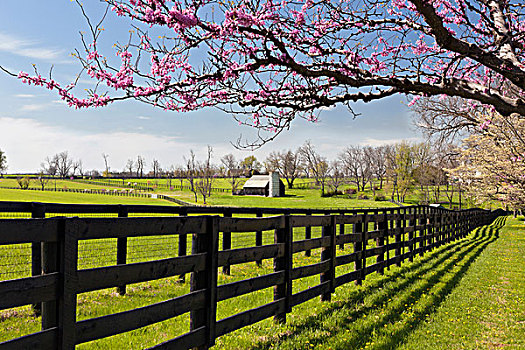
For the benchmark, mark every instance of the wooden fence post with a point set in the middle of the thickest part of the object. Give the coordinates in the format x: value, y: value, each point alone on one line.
x: 399, y: 232
x: 183, y: 245
x: 308, y: 234
x: 207, y: 279
x: 226, y: 242
x: 358, y: 250
x: 412, y: 227
x: 430, y: 230
x: 454, y: 227
x: 382, y: 227
x: 364, y: 240
x: 450, y: 218
x: 122, y: 247
x: 329, y: 254
x: 422, y: 232
x: 342, y: 232
x: 441, y: 222
x: 50, y: 264
x: 284, y: 263
x: 259, y: 237
x: 38, y: 211
x: 389, y: 225
x: 67, y: 301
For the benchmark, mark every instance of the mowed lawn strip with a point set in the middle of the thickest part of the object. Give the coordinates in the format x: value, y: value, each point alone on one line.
x: 487, y: 309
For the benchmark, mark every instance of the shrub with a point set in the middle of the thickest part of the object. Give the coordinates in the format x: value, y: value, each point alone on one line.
x: 331, y: 193
x: 380, y: 198
x: 350, y: 191
x: 23, y: 182
x: 362, y: 196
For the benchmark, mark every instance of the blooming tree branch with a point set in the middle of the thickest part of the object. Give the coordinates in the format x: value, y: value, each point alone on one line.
x: 268, y: 62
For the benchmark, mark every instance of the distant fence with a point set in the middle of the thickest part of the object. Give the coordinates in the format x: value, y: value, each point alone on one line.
x: 379, y: 238
x: 121, y: 193
x: 145, y: 187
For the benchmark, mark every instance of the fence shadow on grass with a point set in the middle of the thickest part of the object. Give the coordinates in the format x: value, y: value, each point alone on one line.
x: 380, y: 313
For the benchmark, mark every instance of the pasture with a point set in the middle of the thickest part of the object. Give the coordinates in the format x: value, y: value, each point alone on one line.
x: 304, y: 195
x: 73, y: 198
x: 400, y: 309
x: 313, y: 324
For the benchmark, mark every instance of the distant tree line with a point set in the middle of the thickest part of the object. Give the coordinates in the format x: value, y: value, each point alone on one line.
x: 392, y: 168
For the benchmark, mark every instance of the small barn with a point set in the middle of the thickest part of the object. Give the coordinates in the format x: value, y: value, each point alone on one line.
x: 437, y: 205
x: 264, y: 185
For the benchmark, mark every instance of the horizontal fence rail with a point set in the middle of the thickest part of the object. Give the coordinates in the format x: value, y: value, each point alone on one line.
x: 352, y: 244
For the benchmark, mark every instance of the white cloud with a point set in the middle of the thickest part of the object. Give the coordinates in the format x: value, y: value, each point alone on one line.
x: 28, y: 142
x: 143, y: 117
x: 28, y: 48
x: 376, y: 142
x: 33, y: 107
x: 25, y: 96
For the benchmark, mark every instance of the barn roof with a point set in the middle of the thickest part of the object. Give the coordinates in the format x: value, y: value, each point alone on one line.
x: 257, y: 181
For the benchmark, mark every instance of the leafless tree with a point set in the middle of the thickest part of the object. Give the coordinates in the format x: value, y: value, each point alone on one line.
x: 232, y: 168
x: 3, y: 162
x: 357, y: 166
x: 378, y: 162
x: 139, y: 165
x: 445, y: 120
x: 130, y: 164
x: 206, y: 176
x: 43, y: 179
x: 156, y: 167
x: 179, y: 173
x: 191, y: 172
x: 50, y: 166
x: 63, y: 163
x: 391, y: 170
x: 287, y: 163
x: 316, y: 163
x: 78, y: 166
x: 106, y: 159
x: 336, y: 176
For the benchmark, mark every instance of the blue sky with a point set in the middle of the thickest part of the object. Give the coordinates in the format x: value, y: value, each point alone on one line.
x: 34, y: 123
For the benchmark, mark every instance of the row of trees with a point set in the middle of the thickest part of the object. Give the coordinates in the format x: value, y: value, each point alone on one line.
x: 401, y: 166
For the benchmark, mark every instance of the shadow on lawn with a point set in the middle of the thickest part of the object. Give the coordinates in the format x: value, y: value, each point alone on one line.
x: 381, y: 311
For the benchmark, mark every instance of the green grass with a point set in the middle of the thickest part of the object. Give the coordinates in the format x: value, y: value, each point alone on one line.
x: 468, y: 294
x: 60, y: 184
x: 487, y: 308
x: 74, y: 198
x: 295, y: 198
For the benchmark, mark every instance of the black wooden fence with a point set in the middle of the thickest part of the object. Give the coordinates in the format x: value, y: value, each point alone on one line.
x: 391, y: 235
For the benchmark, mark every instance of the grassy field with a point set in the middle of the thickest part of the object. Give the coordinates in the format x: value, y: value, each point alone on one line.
x: 414, y: 196
x: 295, y: 198
x: 74, y: 198
x: 468, y: 294
x: 60, y: 184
